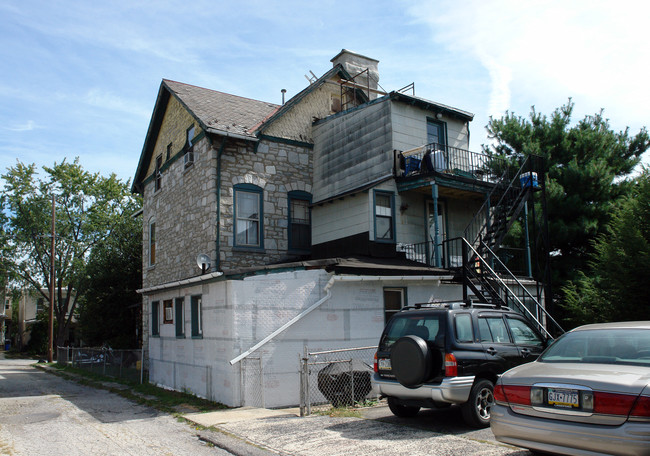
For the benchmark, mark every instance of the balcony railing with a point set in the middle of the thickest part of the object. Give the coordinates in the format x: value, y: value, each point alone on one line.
x: 440, y: 158
x: 451, y: 256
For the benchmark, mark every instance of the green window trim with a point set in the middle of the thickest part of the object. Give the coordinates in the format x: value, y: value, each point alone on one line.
x: 196, y: 316
x: 248, y: 222
x: 299, y: 225
x: 179, y: 304
x: 155, y: 318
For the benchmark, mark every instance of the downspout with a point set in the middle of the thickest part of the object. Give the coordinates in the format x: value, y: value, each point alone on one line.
x: 217, y: 261
x: 436, y: 235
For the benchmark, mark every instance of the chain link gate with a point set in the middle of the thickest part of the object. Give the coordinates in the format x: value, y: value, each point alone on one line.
x: 335, y: 378
x: 252, y: 382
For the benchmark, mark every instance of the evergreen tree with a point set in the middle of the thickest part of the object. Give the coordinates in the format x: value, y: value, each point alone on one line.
x: 586, y: 167
x: 615, y: 287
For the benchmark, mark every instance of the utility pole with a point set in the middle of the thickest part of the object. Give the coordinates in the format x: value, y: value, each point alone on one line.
x: 53, y: 254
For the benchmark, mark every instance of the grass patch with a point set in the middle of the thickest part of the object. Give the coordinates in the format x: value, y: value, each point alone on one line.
x: 173, y: 402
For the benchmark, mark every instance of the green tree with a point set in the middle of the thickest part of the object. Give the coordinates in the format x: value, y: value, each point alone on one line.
x: 586, y: 167
x: 113, y: 274
x: 615, y: 287
x: 88, y: 207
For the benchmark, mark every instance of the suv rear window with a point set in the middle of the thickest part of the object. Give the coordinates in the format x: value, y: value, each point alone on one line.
x: 427, y: 327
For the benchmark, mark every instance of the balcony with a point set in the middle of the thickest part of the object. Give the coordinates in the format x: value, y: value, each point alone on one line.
x: 441, y: 159
x: 451, y: 256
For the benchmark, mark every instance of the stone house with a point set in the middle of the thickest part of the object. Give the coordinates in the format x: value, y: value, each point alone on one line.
x: 268, y: 228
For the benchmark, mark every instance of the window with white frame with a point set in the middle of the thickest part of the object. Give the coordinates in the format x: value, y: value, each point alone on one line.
x: 394, y: 301
x: 384, y: 216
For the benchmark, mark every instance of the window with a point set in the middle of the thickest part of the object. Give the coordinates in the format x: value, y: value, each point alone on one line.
x: 180, y: 317
x: 188, y: 158
x: 40, y: 307
x: 248, y: 216
x: 155, y: 311
x: 493, y: 329
x: 436, y: 133
x: 169, y: 151
x: 464, y: 332
x: 152, y: 243
x: 197, y: 323
x: 157, y: 174
x: 522, y: 333
x: 299, y: 220
x: 384, y: 216
x: 168, y: 314
x: 394, y: 300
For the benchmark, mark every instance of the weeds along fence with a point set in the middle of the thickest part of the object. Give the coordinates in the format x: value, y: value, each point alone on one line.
x: 335, y: 378
x: 125, y: 364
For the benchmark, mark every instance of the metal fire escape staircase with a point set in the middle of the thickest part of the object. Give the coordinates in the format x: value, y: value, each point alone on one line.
x: 484, y: 274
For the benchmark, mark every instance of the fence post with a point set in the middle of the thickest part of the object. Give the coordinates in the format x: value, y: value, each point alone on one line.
x: 301, y: 370
x: 352, y: 383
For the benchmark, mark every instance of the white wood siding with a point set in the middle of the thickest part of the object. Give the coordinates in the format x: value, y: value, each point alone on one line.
x: 341, y: 218
x: 410, y: 128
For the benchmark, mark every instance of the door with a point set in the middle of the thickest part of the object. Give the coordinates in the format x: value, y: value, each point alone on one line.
x: 497, y: 343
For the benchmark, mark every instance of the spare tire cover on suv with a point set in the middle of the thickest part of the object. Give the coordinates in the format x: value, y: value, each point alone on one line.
x: 411, y: 361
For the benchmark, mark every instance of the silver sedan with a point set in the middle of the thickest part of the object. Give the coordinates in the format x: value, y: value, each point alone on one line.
x: 587, y: 394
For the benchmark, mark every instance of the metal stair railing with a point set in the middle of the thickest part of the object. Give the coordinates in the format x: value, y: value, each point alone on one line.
x: 526, y: 294
x: 492, y: 222
x: 505, y: 294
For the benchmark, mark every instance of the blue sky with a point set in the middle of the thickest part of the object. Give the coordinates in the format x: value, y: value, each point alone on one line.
x: 79, y: 79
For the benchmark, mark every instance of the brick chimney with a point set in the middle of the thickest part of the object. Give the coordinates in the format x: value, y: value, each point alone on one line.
x: 354, y: 64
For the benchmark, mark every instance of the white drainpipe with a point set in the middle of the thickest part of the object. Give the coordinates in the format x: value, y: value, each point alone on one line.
x: 327, y: 296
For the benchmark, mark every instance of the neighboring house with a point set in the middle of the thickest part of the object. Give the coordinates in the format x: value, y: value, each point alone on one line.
x: 30, y: 303
x: 268, y: 228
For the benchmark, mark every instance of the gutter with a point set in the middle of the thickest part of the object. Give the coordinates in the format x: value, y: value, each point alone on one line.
x: 232, y: 135
x: 179, y: 283
x: 328, y: 295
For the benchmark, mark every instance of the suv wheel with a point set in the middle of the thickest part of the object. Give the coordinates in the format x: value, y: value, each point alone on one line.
x: 403, y: 411
x: 476, y: 411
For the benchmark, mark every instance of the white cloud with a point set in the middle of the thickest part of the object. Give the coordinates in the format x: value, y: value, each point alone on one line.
x: 107, y: 100
x: 594, y: 51
x: 26, y: 126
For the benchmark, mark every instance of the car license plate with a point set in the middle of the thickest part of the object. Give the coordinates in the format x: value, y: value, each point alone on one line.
x: 384, y: 364
x: 563, y: 398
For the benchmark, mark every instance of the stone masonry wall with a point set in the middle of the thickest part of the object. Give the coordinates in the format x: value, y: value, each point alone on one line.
x: 184, y: 211
x: 277, y: 169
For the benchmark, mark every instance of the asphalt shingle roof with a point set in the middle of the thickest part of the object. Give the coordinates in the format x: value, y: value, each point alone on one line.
x: 222, y: 112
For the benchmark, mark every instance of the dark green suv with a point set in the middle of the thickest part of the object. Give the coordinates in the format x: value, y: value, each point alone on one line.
x: 436, y: 355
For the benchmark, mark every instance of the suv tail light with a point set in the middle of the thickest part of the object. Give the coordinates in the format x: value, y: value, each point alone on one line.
x: 451, y: 366
x: 375, y: 365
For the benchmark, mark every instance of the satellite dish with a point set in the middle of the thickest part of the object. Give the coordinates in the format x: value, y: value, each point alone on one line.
x: 203, y: 262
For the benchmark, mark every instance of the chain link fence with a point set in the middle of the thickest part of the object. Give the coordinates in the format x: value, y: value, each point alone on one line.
x: 125, y: 364
x: 252, y: 386
x: 335, y: 378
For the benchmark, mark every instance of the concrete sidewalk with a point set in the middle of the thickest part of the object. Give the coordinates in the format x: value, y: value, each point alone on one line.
x: 284, y: 432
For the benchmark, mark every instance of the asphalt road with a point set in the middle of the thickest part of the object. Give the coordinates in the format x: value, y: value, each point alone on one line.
x: 42, y: 414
